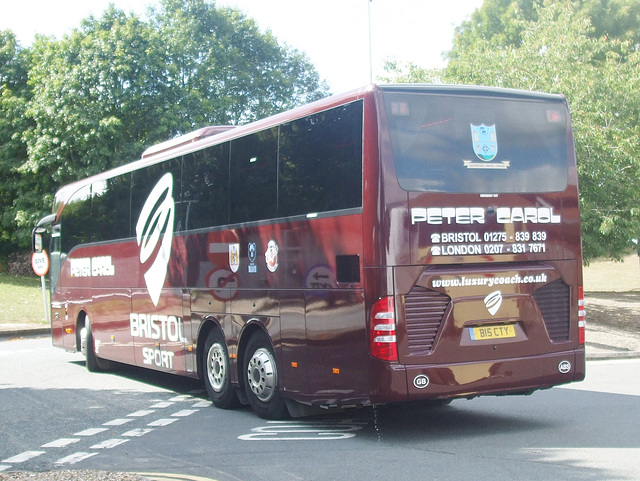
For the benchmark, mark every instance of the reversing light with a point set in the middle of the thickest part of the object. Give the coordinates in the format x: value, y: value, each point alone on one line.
x: 382, y: 333
x: 582, y: 318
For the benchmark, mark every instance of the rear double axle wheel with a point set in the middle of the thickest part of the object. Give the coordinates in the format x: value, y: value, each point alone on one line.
x: 260, y: 373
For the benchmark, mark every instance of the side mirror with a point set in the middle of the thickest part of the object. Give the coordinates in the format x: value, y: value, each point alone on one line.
x: 37, y: 242
x: 40, y: 228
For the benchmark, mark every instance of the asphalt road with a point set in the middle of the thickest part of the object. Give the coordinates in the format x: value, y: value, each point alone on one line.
x: 55, y: 415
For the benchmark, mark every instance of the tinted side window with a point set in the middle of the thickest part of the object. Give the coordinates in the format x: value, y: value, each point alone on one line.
x: 76, y: 220
x: 321, y: 162
x: 110, y: 208
x: 143, y: 182
x: 205, y: 188
x: 253, y: 177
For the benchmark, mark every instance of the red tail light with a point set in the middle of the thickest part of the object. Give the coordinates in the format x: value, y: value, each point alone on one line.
x: 582, y: 318
x: 382, y: 330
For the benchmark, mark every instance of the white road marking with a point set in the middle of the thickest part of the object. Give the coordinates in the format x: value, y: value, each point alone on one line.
x: 91, y: 431
x: 141, y: 413
x: 109, y: 443
x: 117, y: 422
x: 22, y: 457
x: 60, y: 443
x: 185, y: 413
x: 303, y: 431
x: 75, y: 458
x: 183, y: 398
x: 136, y: 433
x: 162, y: 422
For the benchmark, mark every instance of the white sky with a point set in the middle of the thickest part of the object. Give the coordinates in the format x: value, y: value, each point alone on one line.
x: 333, y: 33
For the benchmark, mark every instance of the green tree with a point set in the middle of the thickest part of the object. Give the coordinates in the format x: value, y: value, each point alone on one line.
x: 502, y: 23
x: 97, y: 101
x: 14, y: 95
x: 225, y: 70
x: 600, y: 76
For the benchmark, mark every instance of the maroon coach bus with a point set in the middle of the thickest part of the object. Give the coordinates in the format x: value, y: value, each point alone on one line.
x: 391, y: 244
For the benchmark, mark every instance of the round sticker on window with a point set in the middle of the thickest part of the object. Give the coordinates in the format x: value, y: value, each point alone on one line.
x: 271, y: 256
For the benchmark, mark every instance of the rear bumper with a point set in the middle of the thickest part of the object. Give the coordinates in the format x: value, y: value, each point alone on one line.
x: 504, y: 376
x: 471, y: 379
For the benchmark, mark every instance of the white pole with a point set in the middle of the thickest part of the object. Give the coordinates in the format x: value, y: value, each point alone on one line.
x: 47, y: 317
x: 370, y: 54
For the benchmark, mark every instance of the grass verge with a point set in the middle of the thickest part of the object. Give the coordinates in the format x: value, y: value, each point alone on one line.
x: 21, y: 299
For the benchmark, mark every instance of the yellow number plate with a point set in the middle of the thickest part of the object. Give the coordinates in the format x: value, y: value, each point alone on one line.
x: 492, y: 332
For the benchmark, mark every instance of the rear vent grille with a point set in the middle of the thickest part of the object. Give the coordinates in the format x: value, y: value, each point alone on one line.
x: 554, y: 301
x: 424, y: 311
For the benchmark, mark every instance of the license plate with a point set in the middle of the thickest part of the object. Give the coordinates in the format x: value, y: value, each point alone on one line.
x: 492, y: 332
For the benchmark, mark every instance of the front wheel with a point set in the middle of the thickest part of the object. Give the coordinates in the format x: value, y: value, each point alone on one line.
x: 216, y: 366
x: 87, y: 348
x: 260, y: 374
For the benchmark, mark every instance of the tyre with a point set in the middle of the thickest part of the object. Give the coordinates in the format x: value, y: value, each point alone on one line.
x: 216, y: 371
x: 88, y: 348
x: 260, y: 375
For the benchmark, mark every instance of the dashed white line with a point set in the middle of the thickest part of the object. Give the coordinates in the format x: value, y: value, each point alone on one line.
x: 162, y: 422
x: 60, y: 443
x: 75, y: 458
x: 141, y: 413
x: 136, y: 433
x: 22, y: 457
x: 184, y: 413
x: 117, y: 422
x: 91, y: 431
x: 109, y: 443
x: 183, y: 398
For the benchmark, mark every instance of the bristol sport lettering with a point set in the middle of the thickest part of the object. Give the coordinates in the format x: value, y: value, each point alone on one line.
x: 157, y: 327
x: 476, y: 215
x: 158, y: 357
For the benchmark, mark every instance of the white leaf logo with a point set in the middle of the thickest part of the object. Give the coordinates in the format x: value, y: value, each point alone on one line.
x: 155, y: 220
x: 493, y: 302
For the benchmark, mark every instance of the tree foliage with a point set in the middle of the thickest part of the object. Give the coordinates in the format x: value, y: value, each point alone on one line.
x: 502, y: 23
x: 119, y: 83
x: 556, y: 49
x: 14, y: 96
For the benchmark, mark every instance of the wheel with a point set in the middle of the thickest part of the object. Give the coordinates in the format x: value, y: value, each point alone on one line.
x: 216, y: 365
x: 260, y: 374
x: 88, y: 349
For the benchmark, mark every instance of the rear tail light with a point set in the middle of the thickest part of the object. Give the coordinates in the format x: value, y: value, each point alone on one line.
x: 382, y: 334
x: 582, y: 318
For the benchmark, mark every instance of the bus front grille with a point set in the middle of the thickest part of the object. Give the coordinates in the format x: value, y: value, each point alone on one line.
x: 554, y: 301
x: 424, y: 310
